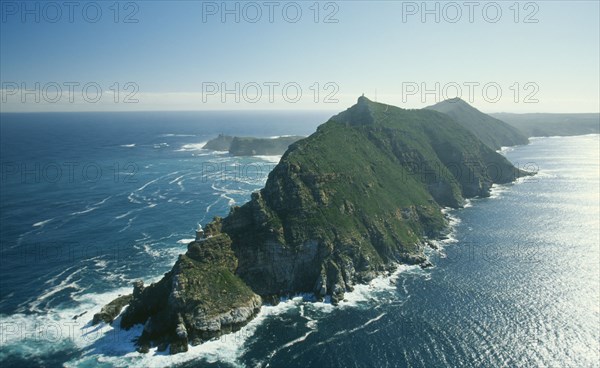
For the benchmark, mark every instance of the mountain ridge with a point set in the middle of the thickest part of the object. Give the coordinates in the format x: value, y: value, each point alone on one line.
x: 491, y: 131
x: 353, y: 200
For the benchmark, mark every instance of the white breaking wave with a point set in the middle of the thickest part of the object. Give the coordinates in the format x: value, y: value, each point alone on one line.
x: 128, y: 145
x: 504, y: 149
x: 102, y: 201
x: 497, y: 190
x: 280, y: 136
x: 190, y: 147
x: 363, y: 293
x: 125, y: 214
x: 274, y: 158
x: 42, y: 223
x: 111, y: 345
x: 226, y: 192
x: 146, y: 184
x: 176, y: 135
x: 90, y: 209
x: 67, y: 283
x: 347, y: 332
x: 177, y: 178
x: 129, y: 223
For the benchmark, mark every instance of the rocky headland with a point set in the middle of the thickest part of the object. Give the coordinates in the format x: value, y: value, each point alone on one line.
x: 353, y: 200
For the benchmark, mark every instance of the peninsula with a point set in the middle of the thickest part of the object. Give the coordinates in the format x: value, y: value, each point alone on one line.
x: 355, y: 199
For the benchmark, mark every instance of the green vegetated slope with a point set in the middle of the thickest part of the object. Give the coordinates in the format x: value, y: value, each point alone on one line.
x: 491, y: 131
x: 358, y: 196
x: 199, y: 299
x: 353, y: 200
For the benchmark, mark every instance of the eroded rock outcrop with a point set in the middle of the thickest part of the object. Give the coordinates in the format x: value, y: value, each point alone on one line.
x: 110, y: 311
x: 199, y: 299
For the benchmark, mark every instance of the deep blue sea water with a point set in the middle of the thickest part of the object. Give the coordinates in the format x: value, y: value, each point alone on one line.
x: 91, y: 202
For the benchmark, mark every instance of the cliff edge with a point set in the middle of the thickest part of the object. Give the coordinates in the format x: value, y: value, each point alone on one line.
x: 355, y: 199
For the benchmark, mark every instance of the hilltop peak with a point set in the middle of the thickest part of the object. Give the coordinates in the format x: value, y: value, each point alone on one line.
x: 362, y: 100
x: 493, y: 132
x: 451, y: 103
x: 358, y: 114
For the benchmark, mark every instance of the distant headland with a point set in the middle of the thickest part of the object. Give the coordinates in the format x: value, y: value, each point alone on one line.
x: 251, y: 146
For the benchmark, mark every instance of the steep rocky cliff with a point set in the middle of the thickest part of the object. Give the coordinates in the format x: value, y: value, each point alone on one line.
x: 358, y: 197
x: 353, y: 200
x: 199, y: 299
x: 220, y: 143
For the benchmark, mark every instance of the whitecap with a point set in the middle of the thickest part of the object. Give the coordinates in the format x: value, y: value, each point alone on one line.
x: 504, y: 149
x: 177, y: 178
x: 109, y: 344
x: 151, y: 252
x: 176, y: 135
x: 90, y: 209
x: 365, y: 292
x: 125, y: 214
x: 102, y: 201
x: 42, y: 223
x: 270, y: 158
x: 67, y: 283
x: 129, y: 223
x: 148, y: 183
x: 131, y: 198
x: 347, y: 332
x: 280, y: 136
x: 189, y: 147
x: 100, y: 264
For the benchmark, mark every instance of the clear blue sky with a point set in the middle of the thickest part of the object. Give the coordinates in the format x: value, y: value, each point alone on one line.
x: 171, y: 51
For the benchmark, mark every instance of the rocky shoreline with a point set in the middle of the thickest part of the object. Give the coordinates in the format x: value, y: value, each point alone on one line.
x: 342, y: 207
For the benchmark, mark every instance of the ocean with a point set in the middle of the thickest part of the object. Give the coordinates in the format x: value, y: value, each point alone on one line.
x: 91, y: 202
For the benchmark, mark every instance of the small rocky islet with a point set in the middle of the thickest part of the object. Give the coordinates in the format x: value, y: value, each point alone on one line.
x: 360, y: 196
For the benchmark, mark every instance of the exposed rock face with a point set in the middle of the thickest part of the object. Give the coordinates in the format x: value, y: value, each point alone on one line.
x: 110, y: 311
x: 220, y: 143
x: 351, y: 201
x: 199, y: 299
x: 356, y: 198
